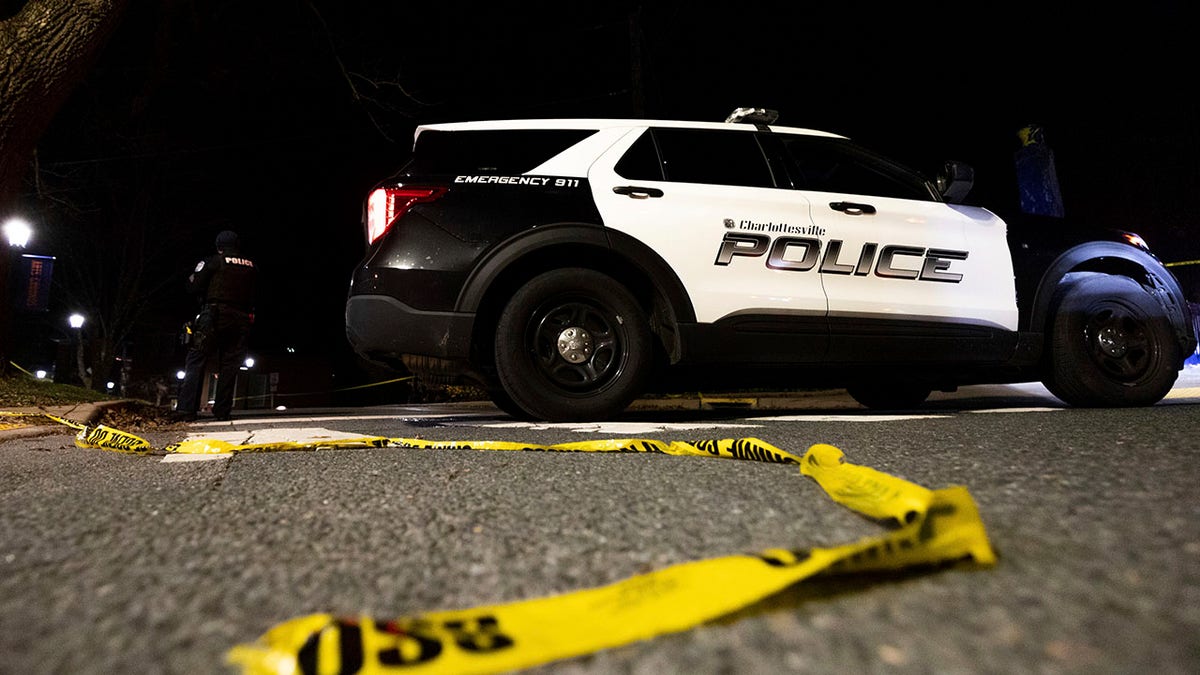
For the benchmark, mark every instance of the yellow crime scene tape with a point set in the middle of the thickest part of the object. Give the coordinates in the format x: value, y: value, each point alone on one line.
x: 12, y: 417
x: 99, y: 436
x: 12, y: 420
x: 926, y: 528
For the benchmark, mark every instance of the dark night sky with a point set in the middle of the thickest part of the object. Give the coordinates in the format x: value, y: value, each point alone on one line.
x: 241, y: 115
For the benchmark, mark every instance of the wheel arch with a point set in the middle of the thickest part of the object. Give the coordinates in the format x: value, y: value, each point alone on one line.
x: 520, y: 258
x: 1105, y: 257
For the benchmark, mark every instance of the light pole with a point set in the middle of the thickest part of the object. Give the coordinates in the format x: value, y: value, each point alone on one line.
x: 76, y: 321
x: 247, y: 364
x: 17, y: 233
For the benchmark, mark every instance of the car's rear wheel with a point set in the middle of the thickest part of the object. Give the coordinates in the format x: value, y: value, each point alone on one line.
x: 889, y: 395
x: 505, y: 402
x: 1111, y: 345
x: 573, y: 344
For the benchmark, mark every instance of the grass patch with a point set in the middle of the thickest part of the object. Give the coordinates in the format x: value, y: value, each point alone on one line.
x: 22, y: 391
x: 19, y: 390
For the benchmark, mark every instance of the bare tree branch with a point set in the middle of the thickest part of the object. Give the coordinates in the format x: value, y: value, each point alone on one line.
x: 356, y: 91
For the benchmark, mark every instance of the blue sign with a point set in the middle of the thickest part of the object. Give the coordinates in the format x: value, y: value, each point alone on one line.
x: 33, y: 283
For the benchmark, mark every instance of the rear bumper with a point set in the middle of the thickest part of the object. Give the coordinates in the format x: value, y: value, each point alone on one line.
x: 381, y: 328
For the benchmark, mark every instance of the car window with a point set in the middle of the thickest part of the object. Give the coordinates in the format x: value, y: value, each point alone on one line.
x: 641, y: 161
x: 835, y: 165
x: 486, y: 152
x: 698, y: 156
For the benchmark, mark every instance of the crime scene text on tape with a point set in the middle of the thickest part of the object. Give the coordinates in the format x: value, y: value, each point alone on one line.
x: 928, y: 528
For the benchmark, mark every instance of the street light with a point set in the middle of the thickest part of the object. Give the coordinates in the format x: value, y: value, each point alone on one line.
x: 17, y: 232
x: 76, y: 322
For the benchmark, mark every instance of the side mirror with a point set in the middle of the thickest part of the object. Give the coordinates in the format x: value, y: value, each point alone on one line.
x: 955, y: 181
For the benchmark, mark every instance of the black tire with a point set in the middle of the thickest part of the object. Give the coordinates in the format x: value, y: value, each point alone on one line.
x: 1111, y: 345
x: 605, y: 353
x: 889, y: 395
x: 505, y: 403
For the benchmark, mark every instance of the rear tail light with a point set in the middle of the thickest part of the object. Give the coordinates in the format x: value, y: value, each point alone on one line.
x: 385, y: 205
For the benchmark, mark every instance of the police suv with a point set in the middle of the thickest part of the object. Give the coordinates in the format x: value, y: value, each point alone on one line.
x: 566, y: 265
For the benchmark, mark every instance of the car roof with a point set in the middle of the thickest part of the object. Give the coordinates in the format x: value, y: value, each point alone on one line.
x: 584, y: 123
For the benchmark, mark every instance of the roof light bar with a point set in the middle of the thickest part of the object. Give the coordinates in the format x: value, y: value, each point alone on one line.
x: 752, y: 116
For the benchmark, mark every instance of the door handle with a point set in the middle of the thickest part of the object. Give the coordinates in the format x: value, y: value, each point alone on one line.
x: 637, y: 192
x: 852, y: 208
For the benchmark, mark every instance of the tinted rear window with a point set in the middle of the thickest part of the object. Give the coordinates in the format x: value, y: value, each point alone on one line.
x: 697, y: 156
x: 641, y: 161
x: 484, y: 152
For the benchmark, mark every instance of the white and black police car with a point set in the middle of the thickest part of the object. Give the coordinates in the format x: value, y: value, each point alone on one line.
x: 568, y: 265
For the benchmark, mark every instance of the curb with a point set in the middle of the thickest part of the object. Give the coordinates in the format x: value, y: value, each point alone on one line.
x: 84, y: 413
x: 90, y: 413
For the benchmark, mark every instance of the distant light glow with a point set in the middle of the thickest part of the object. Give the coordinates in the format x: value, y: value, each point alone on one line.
x: 40, y: 374
x: 76, y: 320
x: 17, y: 232
x: 111, y: 385
x: 281, y: 408
x: 249, y: 362
x: 179, y: 374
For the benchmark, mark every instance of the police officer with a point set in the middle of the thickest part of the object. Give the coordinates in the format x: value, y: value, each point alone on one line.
x: 224, y: 285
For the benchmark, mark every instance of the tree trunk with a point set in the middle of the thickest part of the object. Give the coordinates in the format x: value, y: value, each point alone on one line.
x: 46, y: 48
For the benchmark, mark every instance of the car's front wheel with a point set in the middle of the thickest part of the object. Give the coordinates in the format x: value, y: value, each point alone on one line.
x: 573, y: 344
x: 1111, y: 345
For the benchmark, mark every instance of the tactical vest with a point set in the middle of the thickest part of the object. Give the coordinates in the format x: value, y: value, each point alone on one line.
x: 232, y: 282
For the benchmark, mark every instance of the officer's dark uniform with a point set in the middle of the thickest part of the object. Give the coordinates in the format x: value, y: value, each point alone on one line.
x: 224, y: 284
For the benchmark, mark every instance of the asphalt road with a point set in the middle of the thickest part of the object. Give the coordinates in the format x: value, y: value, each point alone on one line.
x: 145, y: 564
